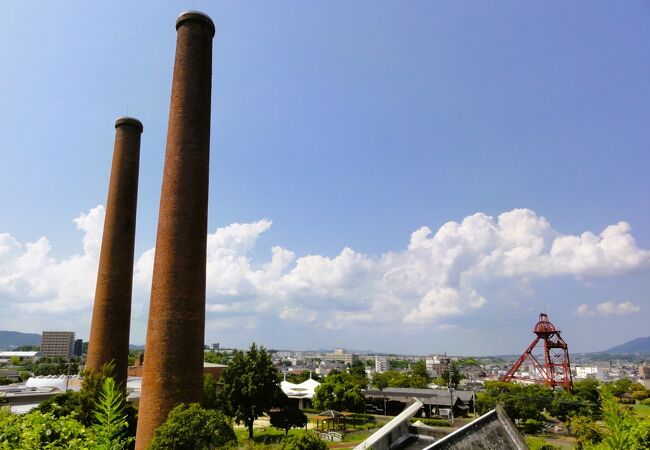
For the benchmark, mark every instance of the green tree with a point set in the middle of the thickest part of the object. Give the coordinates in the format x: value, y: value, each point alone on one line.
x: 111, y: 417
x: 190, y: 427
x: 358, y: 371
x: 380, y: 381
x: 27, y: 348
x: 304, y: 441
x: 217, y: 357
x: 451, y: 375
x: 250, y: 386
x: 288, y: 418
x: 520, y: 402
x: 397, y: 379
x: 419, y: 376
x: 585, y: 431
x: 302, y: 376
x: 565, y: 405
x: 588, y: 393
x: 338, y: 392
x: 210, y: 392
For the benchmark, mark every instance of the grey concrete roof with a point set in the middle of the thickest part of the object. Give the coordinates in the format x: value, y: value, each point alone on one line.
x: 427, y: 396
x: 491, y: 431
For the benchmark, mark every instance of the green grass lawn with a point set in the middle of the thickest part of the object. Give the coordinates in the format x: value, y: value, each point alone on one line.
x: 642, y: 410
x: 537, y: 442
x: 270, y: 438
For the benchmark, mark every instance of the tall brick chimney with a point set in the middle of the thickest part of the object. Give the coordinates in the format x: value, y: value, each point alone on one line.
x: 173, y: 371
x: 109, y: 331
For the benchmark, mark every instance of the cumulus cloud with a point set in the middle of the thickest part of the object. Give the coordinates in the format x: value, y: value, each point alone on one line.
x: 438, y: 277
x: 608, y: 309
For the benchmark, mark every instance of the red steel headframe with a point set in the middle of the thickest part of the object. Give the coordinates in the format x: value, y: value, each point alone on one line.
x: 556, y: 369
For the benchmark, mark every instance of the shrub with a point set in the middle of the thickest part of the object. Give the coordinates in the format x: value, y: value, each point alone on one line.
x: 304, y: 441
x: 190, y: 427
x: 288, y: 418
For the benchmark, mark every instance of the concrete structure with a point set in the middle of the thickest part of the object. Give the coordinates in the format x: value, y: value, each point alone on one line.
x: 78, y: 348
x: 382, y: 364
x: 395, y: 433
x: 436, y: 364
x: 341, y: 355
x: 301, y: 393
x: 109, y: 331
x: 175, y: 330
x: 583, y: 372
x: 57, y: 344
x: 492, y: 431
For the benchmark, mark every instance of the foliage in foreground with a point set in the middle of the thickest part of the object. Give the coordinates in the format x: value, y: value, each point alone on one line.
x: 619, y: 429
x: 110, y: 414
x: 190, y: 427
x: 304, y: 441
x: 47, y: 430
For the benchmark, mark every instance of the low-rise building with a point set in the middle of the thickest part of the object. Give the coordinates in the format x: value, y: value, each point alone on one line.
x: 340, y: 355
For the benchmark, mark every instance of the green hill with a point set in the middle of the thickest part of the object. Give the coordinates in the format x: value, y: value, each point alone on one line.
x: 638, y: 345
x: 11, y: 339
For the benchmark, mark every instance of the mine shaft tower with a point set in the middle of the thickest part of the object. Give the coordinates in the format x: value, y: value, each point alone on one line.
x: 556, y: 369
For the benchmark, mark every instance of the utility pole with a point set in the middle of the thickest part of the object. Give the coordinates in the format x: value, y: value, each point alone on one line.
x: 67, y: 377
x: 451, y: 393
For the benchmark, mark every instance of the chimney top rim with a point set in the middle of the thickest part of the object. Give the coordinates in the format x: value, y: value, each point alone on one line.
x: 196, y: 16
x: 126, y: 120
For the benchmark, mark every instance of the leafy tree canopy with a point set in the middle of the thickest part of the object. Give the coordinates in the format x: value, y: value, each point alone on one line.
x: 250, y: 386
x: 288, y: 418
x: 451, y: 374
x: 190, y: 427
x: 340, y: 392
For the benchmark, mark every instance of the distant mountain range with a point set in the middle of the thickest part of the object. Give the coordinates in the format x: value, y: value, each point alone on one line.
x: 11, y: 339
x: 638, y: 345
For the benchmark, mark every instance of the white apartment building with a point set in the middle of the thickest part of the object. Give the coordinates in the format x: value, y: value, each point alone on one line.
x: 382, y: 364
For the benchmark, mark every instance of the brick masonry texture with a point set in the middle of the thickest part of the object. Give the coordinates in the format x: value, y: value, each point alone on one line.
x: 173, y: 363
x: 109, y: 331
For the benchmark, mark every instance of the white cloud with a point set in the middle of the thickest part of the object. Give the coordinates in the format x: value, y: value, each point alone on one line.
x: 619, y: 309
x: 438, y: 278
x: 610, y: 308
x: 583, y: 310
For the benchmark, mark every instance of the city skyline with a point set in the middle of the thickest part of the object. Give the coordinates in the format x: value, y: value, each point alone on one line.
x: 426, y: 178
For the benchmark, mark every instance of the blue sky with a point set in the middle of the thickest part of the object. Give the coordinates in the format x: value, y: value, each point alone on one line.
x: 346, y: 125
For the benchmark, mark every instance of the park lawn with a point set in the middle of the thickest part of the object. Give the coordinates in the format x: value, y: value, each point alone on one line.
x: 270, y: 438
x: 642, y: 410
x: 537, y: 442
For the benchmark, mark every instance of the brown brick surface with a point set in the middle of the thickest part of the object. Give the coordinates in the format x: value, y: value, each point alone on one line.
x: 109, y: 331
x: 173, y: 369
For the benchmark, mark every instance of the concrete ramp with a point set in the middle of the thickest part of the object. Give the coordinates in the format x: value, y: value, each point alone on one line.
x: 492, y: 431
